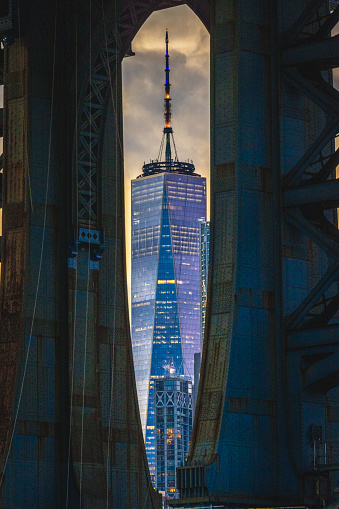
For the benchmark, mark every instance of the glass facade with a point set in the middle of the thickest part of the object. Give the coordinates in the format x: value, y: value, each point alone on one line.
x: 173, y: 423
x: 204, y: 258
x: 167, y: 209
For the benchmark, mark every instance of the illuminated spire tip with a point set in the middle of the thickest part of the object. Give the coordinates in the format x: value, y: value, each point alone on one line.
x: 167, y: 87
x: 167, y: 113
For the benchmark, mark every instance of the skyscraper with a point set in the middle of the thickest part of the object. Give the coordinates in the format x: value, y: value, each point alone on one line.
x: 204, y: 246
x: 204, y: 243
x: 173, y: 422
x: 168, y: 204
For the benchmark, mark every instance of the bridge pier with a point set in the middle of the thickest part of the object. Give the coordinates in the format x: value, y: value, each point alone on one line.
x: 268, y: 361
x: 70, y: 433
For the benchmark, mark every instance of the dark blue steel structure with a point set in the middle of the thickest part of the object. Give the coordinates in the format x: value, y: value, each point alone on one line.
x: 266, y: 423
x: 268, y: 397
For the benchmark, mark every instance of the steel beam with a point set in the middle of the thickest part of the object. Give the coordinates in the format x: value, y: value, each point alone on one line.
x: 305, y: 18
x: 323, y: 372
x: 327, y: 168
x: 304, y: 339
x: 295, y: 319
x: 330, y: 310
x: 312, y: 52
x: 327, y: 245
x: 317, y: 355
x: 328, y: 133
x: 325, y: 194
x: 329, y: 24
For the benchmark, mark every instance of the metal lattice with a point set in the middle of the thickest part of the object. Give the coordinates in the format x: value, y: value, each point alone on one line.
x: 310, y: 187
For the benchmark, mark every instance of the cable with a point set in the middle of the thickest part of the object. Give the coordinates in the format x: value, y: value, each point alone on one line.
x: 161, y: 147
x: 76, y: 269
x: 175, y: 148
x: 109, y: 437
x: 88, y: 267
x: 41, y: 251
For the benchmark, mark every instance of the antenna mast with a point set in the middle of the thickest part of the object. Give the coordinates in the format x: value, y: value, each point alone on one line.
x: 168, y: 114
x: 168, y: 131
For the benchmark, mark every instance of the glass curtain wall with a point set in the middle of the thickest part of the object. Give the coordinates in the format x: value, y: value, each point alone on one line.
x: 167, y: 209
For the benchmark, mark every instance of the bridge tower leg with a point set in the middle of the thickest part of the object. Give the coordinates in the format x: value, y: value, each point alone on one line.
x: 70, y: 433
x: 267, y: 397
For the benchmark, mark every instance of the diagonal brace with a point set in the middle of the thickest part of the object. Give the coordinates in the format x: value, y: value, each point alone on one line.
x: 328, y: 133
x: 321, y: 93
x: 329, y: 24
x: 311, y: 51
x: 327, y: 98
x: 305, y: 17
x: 295, y: 217
x: 330, y: 276
x: 327, y: 169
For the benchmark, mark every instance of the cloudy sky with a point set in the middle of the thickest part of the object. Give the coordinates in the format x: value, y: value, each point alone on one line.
x: 143, y: 94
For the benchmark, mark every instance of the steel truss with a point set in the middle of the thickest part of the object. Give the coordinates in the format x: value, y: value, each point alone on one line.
x: 310, y: 187
x: 310, y: 200
x: 306, y: 356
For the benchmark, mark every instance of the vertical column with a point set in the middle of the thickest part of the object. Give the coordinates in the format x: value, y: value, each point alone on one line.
x: 13, y: 232
x: 235, y: 424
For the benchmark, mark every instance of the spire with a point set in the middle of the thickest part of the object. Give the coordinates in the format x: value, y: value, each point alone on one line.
x: 167, y: 129
x: 168, y: 165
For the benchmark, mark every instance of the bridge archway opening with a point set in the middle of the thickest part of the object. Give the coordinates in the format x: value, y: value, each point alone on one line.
x: 143, y: 93
x: 143, y: 96
x: 98, y: 151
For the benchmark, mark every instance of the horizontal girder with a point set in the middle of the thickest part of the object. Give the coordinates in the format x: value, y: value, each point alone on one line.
x: 325, y: 194
x: 317, y: 51
x: 305, y: 339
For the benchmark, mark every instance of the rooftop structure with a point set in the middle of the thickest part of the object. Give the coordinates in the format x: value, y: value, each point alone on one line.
x: 168, y: 164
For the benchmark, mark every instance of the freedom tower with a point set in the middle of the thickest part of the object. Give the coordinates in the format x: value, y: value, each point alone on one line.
x: 168, y: 204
